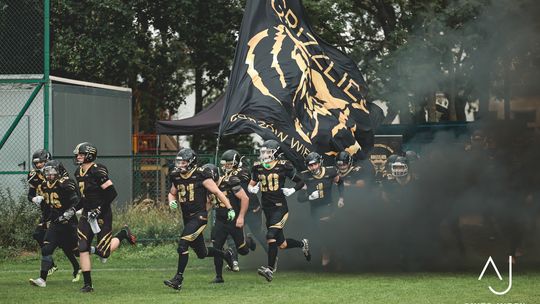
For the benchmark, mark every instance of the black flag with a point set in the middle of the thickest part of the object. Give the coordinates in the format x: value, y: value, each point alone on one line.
x: 287, y: 84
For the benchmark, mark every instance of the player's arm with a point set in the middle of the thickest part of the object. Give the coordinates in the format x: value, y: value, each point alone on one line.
x: 211, y: 186
x: 253, y: 186
x: 244, y: 203
x: 108, y: 191
x: 340, y: 187
x: 31, y: 192
x: 171, y: 197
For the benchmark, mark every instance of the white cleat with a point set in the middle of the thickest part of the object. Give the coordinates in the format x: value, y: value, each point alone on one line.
x: 39, y: 282
x: 76, y: 276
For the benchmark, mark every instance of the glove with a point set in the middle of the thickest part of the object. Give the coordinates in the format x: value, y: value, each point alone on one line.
x: 37, y: 199
x: 314, y: 195
x: 288, y: 191
x: 340, y: 202
x: 173, y: 204
x: 94, y: 213
x: 64, y: 218
x: 253, y: 189
x: 231, y: 214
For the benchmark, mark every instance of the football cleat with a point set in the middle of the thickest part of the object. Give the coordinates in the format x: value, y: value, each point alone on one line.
x: 218, y: 280
x: 103, y: 260
x: 39, y: 282
x: 87, y: 288
x: 52, y: 270
x: 305, y: 249
x: 131, y: 238
x: 175, y: 282
x: 235, y: 267
x: 228, y: 256
x: 266, y: 272
x: 76, y: 276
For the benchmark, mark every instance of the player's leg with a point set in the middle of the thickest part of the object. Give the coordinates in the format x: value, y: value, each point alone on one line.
x: 50, y: 243
x: 69, y: 245
x: 254, y: 223
x: 39, y: 236
x: 219, y: 235
x: 85, y: 236
x: 231, y: 245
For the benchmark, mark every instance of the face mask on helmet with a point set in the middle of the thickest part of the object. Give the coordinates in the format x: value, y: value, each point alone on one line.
x: 343, y: 166
x: 267, y: 155
x: 51, y: 173
x: 181, y: 164
x: 314, y: 168
x: 399, y: 169
x: 84, y: 153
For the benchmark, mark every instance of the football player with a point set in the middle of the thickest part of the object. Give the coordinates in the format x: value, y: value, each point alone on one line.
x: 97, y: 193
x: 190, y: 187
x: 269, y: 176
x: 232, y: 164
x: 350, y: 174
x: 60, y: 198
x: 318, y: 191
x: 35, y: 179
x: 229, y: 184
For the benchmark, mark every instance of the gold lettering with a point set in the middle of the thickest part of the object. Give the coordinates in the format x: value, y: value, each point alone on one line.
x: 291, y: 19
x: 342, y: 79
x: 346, y: 90
x: 281, y: 6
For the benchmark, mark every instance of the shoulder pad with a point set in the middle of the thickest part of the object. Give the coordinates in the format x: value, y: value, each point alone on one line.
x: 287, y: 164
x: 67, y: 183
x: 234, y: 181
x: 257, y: 163
x: 206, y: 173
x: 32, y: 173
x: 356, y: 169
x: 305, y: 172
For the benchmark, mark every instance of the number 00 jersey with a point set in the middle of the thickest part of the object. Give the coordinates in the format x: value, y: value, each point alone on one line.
x: 271, y: 181
x: 89, y: 183
x: 191, y: 193
x: 59, y: 196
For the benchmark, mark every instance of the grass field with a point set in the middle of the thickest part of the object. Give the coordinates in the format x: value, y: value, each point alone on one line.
x: 135, y: 275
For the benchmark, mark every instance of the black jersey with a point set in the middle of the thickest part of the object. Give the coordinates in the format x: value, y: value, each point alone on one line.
x: 354, y: 174
x: 400, y: 193
x: 89, y: 183
x: 245, y: 177
x: 191, y: 193
x: 272, y: 180
x: 229, y: 185
x: 35, y: 179
x: 322, y: 183
x: 59, y: 196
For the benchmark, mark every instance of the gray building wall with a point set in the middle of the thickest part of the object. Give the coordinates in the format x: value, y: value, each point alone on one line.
x: 99, y: 116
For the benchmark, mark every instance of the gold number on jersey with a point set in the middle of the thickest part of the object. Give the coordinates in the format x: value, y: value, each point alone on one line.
x: 53, y: 199
x: 269, y: 182
x: 186, y: 193
x: 320, y: 188
x: 81, y: 188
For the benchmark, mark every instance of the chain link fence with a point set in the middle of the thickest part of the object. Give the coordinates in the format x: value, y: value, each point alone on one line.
x: 22, y: 89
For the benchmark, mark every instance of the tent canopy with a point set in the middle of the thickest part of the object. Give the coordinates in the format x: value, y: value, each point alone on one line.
x: 206, y: 121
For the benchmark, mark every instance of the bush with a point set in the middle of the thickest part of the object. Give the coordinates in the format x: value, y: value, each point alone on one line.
x: 18, y: 219
x: 152, y: 223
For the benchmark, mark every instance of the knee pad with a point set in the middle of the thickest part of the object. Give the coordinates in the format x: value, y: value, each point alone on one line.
x: 83, y: 246
x: 272, y: 233
x: 46, y: 262
x: 47, y: 250
x: 183, y: 247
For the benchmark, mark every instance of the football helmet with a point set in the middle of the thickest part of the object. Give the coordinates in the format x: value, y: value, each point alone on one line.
x: 41, y: 156
x: 269, y: 151
x: 343, y: 161
x: 186, y: 159
x: 53, y: 170
x: 230, y: 160
x: 314, y: 163
x: 89, y: 151
x: 400, y: 167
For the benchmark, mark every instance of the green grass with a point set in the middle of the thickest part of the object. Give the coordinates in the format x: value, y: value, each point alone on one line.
x: 135, y: 275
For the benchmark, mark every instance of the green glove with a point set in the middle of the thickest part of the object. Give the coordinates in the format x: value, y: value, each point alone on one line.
x: 173, y: 204
x: 231, y: 214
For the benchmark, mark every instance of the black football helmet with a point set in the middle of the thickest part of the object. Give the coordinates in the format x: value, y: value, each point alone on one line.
x: 215, y: 171
x: 230, y: 160
x: 89, y: 151
x: 344, y: 161
x: 40, y: 156
x: 314, y: 158
x: 269, y: 150
x: 53, y: 170
x: 186, y: 160
x: 399, y: 167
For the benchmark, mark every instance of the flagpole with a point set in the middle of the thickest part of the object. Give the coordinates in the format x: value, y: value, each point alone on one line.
x: 217, y: 150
